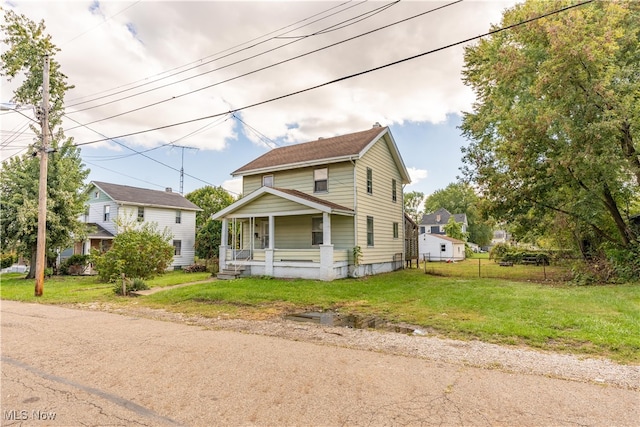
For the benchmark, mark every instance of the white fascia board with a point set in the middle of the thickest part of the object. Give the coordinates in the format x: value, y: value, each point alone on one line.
x: 395, y: 153
x: 150, y: 205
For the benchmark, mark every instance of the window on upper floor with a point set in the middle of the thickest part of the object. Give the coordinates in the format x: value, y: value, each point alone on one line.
x: 96, y: 195
x: 321, y: 180
x: 369, y: 231
x: 422, y: 230
x: 369, y: 181
x: 178, y: 217
x: 394, y: 191
x: 177, y: 247
x: 396, y: 233
x: 86, y: 213
x: 316, y: 231
x: 140, y: 213
x: 267, y: 181
x: 106, y: 213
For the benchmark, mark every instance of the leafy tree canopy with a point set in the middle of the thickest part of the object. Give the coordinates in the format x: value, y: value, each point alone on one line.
x: 554, y: 130
x: 208, y: 232
x: 413, y: 205
x: 27, y: 44
x: 460, y: 198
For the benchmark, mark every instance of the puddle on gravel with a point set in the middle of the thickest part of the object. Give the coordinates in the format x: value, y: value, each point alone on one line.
x: 351, y: 321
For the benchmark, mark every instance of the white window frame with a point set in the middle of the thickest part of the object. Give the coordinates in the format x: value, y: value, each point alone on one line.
x: 177, y: 247
x: 321, y: 176
x: 140, y: 216
x: 178, y: 217
x: 316, y: 231
x: 106, y: 213
x: 265, y: 179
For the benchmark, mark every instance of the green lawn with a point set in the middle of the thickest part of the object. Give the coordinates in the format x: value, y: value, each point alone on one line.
x: 594, y: 320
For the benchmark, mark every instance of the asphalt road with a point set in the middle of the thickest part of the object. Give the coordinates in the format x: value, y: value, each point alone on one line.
x: 67, y: 367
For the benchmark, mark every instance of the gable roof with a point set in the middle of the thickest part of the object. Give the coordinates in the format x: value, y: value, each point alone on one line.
x: 432, y: 218
x: 322, y: 151
x: 144, y: 197
x: 292, y: 195
x: 442, y: 237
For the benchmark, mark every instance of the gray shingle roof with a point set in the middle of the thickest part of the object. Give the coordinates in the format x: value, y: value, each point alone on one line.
x: 326, y: 148
x: 144, y: 196
x: 432, y: 218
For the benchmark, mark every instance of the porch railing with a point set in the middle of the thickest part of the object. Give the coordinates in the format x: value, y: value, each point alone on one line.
x: 287, y: 255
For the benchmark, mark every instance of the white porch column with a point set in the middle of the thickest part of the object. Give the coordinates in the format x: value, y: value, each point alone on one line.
x: 326, y: 228
x: 268, y: 253
x: 326, y: 250
x: 224, y: 244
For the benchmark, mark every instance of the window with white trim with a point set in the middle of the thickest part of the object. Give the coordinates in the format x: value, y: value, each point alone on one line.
x: 140, y: 213
x: 396, y: 233
x: 177, y: 247
x: 394, y: 191
x: 369, y: 181
x: 267, y: 181
x: 107, y: 211
x: 321, y: 180
x: 316, y: 231
x: 369, y: 231
x: 178, y: 217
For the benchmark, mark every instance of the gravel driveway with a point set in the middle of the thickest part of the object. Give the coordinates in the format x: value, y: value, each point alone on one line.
x: 150, y: 367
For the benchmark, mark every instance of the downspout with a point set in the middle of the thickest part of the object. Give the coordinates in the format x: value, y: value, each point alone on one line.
x: 355, y: 203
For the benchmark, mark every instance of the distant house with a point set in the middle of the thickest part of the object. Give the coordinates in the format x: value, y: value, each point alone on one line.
x: 434, y: 223
x: 108, y: 202
x: 438, y: 247
x: 324, y: 209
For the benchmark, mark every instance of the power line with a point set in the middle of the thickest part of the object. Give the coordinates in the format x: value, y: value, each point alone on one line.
x: 347, y: 77
x: 227, y: 66
x: 200, y: 63
x: 138, y: 152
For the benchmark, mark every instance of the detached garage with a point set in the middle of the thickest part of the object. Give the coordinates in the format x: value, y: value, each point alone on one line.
x: 438, y: 247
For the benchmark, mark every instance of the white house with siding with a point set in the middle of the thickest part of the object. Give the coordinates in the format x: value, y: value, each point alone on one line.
x: 438, y: 247
x: 109, y: 202
x: 324, y: 209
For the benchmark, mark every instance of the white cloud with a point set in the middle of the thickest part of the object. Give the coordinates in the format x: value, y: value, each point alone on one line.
x: 100, y: 55
x: 233, y: 186
x: 416, y: 175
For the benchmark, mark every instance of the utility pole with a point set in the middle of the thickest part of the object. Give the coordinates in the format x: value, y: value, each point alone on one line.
x: 42, y: 184
x: 182, y: 165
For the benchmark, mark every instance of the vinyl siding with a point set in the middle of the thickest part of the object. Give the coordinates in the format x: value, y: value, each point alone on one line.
x: 379, y: 205
x: 267, y: 204
x: 340, y: 182
x: 166, y: 218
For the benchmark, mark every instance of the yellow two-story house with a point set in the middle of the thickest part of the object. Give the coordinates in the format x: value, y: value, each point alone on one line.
x: 324, y: 209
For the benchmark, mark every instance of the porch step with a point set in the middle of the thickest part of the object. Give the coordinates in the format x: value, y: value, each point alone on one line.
x: 229, y: 273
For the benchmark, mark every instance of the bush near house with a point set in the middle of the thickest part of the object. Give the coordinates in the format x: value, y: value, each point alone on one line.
x: 74, y: 265
x: 7, y: 260
x: 142, y: 252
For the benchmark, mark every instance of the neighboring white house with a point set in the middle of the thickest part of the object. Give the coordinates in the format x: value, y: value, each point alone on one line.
x: 435, y: 222
x: 438, y: 247
x: 108, y: 202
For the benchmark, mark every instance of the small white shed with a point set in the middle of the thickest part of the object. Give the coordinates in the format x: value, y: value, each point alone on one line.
x: 439, y: 247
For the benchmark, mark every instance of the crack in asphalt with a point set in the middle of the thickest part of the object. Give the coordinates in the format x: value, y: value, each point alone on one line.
x: 127, y: 404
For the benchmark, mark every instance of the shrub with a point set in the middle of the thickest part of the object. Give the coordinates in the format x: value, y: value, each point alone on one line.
x: 136, y: 284
x: 195, y: 268
x: 74, y: 264
x: 137, y: 252
x: 499, y: 251
x: 7, y: 260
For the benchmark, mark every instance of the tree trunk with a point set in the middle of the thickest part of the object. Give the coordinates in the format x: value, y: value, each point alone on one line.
x: 623, y: 228
x: 32, y: 265
x: 626, y: 142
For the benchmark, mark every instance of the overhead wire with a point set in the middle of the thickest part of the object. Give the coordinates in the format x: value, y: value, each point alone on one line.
x: 268, y: 66
x: 350, y: 76
x: 144, y: 155
x: 200, y: 63
x: 378, y: 10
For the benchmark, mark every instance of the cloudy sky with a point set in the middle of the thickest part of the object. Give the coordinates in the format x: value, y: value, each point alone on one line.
x: 142, y: 65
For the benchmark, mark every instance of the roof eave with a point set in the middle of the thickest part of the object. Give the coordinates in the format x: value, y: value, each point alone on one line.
x: 297, y: 165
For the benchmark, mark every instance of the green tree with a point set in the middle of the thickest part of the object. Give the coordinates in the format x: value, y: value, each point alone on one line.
x: 454, y: 229
x: 211, y: 200
x: 460, y: 198
x: 27, y: 44
x: 139, y: 250
x: 554, y: 129
x: 413, y: 205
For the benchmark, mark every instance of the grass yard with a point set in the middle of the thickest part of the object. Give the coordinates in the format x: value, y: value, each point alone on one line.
x: 594, y: 320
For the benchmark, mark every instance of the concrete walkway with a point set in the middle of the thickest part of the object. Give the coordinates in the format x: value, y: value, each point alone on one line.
x: 166, y: 288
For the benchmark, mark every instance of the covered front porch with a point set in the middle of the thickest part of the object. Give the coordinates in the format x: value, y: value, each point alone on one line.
x: 304, y: 238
